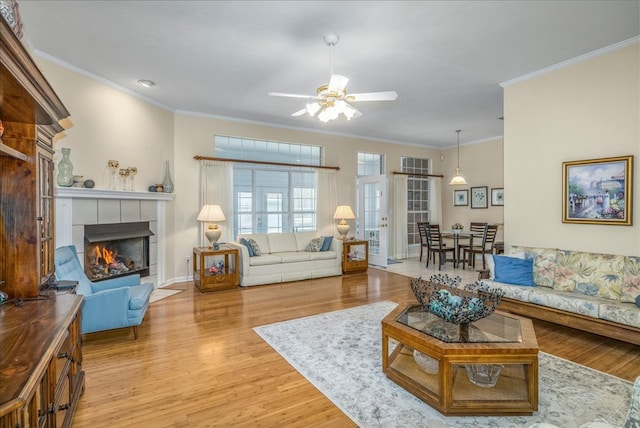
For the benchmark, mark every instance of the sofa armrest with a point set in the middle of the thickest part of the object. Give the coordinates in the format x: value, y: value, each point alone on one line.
x: 121, y: 281
x: 483, y: 273
x: 243, y: 263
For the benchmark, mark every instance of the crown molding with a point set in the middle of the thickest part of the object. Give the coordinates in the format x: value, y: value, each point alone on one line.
x: 572, y: 61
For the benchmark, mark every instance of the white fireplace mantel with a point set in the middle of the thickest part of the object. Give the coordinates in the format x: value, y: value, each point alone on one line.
x: 65, y: 197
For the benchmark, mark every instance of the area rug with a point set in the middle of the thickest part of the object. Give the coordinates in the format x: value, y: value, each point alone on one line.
x: 162, y: 293
x: 340, y: 354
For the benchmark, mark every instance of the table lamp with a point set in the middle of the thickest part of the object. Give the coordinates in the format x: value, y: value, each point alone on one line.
x: 211, y: 214
x: 343, y: 212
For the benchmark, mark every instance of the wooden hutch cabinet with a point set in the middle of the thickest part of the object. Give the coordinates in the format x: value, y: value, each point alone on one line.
x: 30, y: 112
x: 41, y: 376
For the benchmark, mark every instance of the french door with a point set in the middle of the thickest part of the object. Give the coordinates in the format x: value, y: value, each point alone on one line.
x: 373, y: 222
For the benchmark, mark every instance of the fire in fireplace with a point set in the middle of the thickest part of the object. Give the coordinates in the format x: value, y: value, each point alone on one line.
x: 118, y: 249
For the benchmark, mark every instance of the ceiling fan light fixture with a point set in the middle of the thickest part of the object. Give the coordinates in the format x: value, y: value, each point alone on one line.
x: 458, y: 179
x: 313, y: 108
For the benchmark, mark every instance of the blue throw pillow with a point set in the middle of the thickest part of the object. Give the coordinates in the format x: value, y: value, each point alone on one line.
x: 327, y: 243
x: 514, y: 271
x: 246, y: 244
x: 638, y: 301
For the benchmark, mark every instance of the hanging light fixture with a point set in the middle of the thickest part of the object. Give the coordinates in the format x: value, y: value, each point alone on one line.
x: 458, y: 180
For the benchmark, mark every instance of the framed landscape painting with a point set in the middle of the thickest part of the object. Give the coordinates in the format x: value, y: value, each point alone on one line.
x: 460, y: 198
x: 479, y: 197
x: 598, y: 191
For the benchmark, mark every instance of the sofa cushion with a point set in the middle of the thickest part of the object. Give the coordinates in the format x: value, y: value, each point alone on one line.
x: 566, y: 301
x: 631, y: 280
x: 491, y: 266
x: 282, y: 242
x: 544, y: 262
x: 262, y: 240
x: 512, y: 270
x: 623, y: 313
x: 265, y: 259
x: 293, y: 256
x: 255, y: 248
x: 326, y: 245
x: 591, y: 274
x: 249, y: 247
x: 515, y: 292
x: 315, y: 245
x: 303, y: 238
x: 323, y: 255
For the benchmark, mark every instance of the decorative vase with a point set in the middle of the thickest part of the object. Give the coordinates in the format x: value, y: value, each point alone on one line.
x: 65, y: 169
x: 167, y: 184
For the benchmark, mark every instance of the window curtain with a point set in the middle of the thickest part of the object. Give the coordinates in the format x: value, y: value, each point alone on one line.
x: 326, y: 201
x: 435, y: 203
x: 399, y: 215
x: 216, y: 188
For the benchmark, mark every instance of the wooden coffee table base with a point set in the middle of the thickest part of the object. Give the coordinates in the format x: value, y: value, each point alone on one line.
x: 449, y: 390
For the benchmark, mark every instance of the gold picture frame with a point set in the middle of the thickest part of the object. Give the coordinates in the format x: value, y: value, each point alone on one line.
x: 598, y: 191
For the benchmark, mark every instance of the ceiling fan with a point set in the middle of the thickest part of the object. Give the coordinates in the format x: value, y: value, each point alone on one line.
x: 332, y: 100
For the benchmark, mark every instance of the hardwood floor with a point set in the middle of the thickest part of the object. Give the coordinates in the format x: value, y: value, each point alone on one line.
x: 198, y: 363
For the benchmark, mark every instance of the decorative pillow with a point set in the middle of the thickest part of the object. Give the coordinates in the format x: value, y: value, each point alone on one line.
x: 544, y: 263
x: 638, y: 301
x: 246, y: 244
x: 511, y: 270
x: 327, y: 243
x: 254, y: 247
x: 315, y: 245
x: 631, y: 280
x: 488, y: 260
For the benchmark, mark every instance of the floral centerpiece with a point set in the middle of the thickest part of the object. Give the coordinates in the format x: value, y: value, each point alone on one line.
x: 457, y: 226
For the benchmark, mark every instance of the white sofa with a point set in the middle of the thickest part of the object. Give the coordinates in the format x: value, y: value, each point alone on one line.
x: 283, y: 258
x: 588, y: 291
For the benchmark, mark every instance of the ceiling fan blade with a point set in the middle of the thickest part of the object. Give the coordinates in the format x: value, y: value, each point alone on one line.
x: 373, y: 96
x: 300, y: 112
x: 338, y: 83
x: 283, y: 94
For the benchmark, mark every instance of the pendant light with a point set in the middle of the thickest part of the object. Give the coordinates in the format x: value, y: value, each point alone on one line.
x: 458, y: 180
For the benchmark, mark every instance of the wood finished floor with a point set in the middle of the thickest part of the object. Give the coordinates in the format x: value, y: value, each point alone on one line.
x: 198, y: 363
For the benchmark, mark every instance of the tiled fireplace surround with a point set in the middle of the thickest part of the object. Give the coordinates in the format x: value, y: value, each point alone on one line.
x: 77, y: 207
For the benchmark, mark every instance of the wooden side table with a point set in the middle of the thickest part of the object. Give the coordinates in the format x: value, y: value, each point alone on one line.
x: 215, y: 270
x: 355, y: 256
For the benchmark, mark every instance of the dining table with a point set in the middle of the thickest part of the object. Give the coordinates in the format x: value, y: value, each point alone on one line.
x: 456, y: 235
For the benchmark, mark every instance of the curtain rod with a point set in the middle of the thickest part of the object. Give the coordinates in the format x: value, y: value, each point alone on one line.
x: 198, y: 157
x: 418, y: 175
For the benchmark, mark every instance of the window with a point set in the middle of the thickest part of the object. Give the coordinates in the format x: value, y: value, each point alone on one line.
x: 271, y: 198
x: 370, y: 164
x: 417, y: 195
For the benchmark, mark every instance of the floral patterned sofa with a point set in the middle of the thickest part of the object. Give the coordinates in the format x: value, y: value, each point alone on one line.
x: 588, y: 291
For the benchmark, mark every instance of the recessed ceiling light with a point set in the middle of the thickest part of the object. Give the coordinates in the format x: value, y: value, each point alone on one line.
x: 146, y: 83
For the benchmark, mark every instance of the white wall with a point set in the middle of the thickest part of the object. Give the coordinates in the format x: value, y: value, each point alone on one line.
x: 585, y: 111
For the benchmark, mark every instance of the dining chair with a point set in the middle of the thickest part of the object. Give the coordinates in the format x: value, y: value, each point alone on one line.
x: 488, y: 239
x: 424, y: 243
x: 477, y: 229
x: 436, y: 246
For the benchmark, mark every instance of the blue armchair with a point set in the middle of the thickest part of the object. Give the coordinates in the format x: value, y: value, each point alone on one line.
x: 109, y: 304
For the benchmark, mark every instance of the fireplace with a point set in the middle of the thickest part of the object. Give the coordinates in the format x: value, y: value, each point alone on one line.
x: 119, y: 249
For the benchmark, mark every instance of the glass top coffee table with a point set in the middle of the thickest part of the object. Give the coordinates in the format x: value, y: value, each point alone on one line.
x: 489, y: 367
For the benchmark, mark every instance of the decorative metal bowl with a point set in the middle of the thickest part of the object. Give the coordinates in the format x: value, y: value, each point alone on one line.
x: 442, y: 296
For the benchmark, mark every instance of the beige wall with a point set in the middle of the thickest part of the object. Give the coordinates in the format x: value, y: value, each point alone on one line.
x: 585, y: 111
x: 481, y: 165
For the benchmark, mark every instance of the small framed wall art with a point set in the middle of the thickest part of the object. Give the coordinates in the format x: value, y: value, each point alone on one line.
x: 479, y: 197
x: 460, y: 198
x: 497, y: 196
x: 598, y: 191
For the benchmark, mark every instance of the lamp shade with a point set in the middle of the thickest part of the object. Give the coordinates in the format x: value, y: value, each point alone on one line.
x: 211, y: 213
x: 343, y: 212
